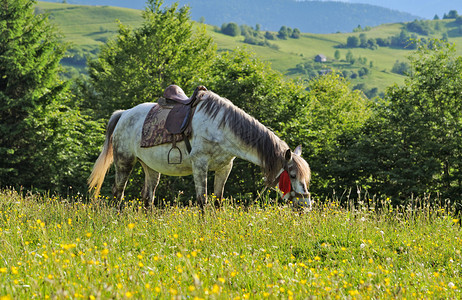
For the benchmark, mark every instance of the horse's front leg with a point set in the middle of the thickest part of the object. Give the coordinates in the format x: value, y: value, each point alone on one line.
x: 200, y: 168
x: 221, y: 176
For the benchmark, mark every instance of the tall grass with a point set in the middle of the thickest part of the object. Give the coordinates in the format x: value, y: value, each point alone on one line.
x: 53, y: 247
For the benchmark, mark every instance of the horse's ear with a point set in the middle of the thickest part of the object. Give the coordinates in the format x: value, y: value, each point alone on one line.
x: 288, y: 155
x: 298, y: 150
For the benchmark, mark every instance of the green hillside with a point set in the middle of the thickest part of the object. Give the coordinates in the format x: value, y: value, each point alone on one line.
x: 88, y: 27
x: 295, y: 51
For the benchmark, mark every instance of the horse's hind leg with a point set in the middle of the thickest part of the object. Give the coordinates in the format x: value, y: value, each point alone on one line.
x: 123, y: 168
x: 151, y: 180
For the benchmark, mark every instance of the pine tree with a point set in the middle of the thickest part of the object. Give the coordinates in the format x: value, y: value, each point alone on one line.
x: 40, y: 135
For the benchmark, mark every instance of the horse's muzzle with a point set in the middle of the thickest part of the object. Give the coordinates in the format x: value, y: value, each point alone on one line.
x: 300, y: 200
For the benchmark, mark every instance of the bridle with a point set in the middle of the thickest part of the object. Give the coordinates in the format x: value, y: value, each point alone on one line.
x: 285, y: 186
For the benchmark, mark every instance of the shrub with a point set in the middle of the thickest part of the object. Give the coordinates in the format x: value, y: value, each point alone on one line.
x: 231, y: 29
x: 270, y: 35
x: 352, y: 42
x: 400, y: 68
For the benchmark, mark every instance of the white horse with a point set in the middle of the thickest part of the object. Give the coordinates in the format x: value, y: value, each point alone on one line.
x: 220, y: 132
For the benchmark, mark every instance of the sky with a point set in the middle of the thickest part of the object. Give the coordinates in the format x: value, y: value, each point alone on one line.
x: 422, y: 8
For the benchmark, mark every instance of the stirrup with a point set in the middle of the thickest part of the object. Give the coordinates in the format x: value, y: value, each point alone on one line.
x: 170, y: 162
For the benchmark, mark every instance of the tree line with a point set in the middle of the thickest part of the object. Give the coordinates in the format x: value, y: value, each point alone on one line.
x: 254, y: 36
x: 406, y: 145
x: 410, y: 32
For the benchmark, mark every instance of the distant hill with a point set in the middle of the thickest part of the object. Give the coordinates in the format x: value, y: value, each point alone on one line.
x: 423, y: 8
x: 308, y: 16
x: 89, y: 27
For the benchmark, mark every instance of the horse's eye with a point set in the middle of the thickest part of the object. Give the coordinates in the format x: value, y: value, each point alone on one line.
x: 293, y: 176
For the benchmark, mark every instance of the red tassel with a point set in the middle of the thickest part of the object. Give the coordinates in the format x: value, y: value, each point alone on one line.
x: 284, y: 183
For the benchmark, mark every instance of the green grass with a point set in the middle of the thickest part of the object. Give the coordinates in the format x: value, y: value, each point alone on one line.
x: 52, y: 247
x: 89, y: 26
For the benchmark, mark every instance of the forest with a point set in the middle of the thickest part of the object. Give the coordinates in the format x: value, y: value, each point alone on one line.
x: 402, y: 146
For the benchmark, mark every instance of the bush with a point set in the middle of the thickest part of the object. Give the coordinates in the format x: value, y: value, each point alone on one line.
x: 295, y: 34
x: 401, y: 68
x: 231, y: 29
x: 252, y: 40
x: 247, y: 31
x: 352, y: 42
x: 383, y: 42
x: 363, y: 71
x: 270, y: 36
x: 458, y: 20
x: 283, y: 33
x: 451, y: 15
x: 404, y: 40
x: 419, y: 27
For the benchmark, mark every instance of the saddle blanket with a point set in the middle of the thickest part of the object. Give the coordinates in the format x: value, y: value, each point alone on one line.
x: 154, y: 132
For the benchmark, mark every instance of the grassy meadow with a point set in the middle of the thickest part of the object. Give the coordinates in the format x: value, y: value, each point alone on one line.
x: 89, y: 26
x: 58, y: 248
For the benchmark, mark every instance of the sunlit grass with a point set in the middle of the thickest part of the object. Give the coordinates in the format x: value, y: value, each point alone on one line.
x: 66, y: 248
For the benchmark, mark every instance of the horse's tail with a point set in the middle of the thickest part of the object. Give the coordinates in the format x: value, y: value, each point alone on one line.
x: 105, y: 159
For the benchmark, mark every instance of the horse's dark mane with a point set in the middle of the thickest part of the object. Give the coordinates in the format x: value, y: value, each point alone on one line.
x: 269, y: 147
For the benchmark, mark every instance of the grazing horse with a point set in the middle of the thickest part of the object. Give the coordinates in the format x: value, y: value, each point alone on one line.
x: 220, y: 132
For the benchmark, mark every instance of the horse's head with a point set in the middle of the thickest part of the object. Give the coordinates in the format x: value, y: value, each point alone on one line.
x: 294, y: 180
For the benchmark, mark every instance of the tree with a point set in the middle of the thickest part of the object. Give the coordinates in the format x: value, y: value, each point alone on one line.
x: 139, y: 64
x: 363, y: 72
x: 283, y: 33
x: 231, y: 29
x: 357, y: 29
x: 445, y: 37
x: 352, y: 41
x: 372, y: 44
x: 404, y: 40
x: 295, y: 33
x: 412, y: 146
x: 401, y: 68
x: 383, y: 42
x: 362, y: 40
x: 270, y: 35
x: 452, y: 14
x: 349, y: 57
x: 43, y: 139
x: 458, y: 20
x: 332, y: 111
x: 337, y: 54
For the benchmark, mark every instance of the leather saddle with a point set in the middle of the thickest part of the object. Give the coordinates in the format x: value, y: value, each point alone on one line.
x: 180, y: 116
x: 176, y: 94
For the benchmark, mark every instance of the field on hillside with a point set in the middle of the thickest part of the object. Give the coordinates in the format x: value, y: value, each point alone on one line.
x: 53, y: 247
x: 89, y: 27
